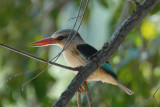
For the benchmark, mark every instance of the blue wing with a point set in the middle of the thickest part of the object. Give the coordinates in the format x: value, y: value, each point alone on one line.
x: 86, y: 51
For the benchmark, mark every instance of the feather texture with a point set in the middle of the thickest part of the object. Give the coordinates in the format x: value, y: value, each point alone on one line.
x: 87, y: 50
x: 104, y: 73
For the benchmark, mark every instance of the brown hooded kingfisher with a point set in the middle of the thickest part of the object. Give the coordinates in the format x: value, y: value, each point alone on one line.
x: 77, y: 54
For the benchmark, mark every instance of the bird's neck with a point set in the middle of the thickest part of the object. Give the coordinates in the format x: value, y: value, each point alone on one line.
x: 73, y: 57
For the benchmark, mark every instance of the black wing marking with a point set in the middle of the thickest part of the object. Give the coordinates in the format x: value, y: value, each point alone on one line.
x: 86, y: 50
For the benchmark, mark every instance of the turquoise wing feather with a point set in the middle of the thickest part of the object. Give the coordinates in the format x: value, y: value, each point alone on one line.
x: 108, y: 67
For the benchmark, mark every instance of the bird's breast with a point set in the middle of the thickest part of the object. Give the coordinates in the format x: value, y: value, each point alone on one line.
x: 74, y: 58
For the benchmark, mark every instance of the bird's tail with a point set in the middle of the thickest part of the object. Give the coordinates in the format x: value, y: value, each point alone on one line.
x: 124, y: 88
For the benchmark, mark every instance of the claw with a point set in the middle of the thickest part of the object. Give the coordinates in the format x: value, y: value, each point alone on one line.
x: 81, y: 89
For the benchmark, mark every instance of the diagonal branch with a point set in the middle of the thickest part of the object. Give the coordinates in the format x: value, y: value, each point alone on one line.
x: 109, y: 48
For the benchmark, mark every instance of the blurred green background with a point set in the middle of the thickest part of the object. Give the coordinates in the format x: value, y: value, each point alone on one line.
x: 136, y: 62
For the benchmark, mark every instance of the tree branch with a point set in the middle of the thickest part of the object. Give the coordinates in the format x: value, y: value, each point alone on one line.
x: 109, y: 48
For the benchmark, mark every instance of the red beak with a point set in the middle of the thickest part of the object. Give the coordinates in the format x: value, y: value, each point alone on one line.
x: 44, y: 42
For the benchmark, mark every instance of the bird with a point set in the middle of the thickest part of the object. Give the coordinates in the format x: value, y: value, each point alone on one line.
x: 77, y: 54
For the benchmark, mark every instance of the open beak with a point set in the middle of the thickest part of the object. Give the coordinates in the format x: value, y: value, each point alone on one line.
x: 44, y: 42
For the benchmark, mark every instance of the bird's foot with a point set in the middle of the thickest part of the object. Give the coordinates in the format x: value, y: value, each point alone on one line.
x: 136, y: 3
x: 81, y: 89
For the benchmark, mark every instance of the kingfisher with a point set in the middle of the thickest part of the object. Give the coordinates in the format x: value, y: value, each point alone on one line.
x: 78, y: 53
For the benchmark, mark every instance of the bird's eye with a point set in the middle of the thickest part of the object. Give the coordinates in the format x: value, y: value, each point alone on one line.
x: 60, y: 38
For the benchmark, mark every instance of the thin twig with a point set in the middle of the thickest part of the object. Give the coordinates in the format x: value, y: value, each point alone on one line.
x: 34, y: 77
x: 155, y: 101
x: 156, y: 91
x: 37, y: 58
x: 79, y: 99
x: 57, y: 56
x: 70, y: 36
x: 11, y: 77
x: 153, y: 96
x: 88, y: 94
x: 74, y: 18
x: 53, y: 63
x: 66, y: 44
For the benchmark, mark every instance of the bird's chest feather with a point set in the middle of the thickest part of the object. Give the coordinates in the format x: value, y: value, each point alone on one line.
x: 74, y: 58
